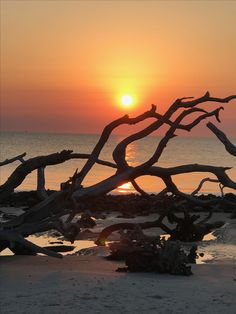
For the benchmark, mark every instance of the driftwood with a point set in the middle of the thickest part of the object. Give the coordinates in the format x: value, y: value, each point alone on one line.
x: 18, y: 245
x: 187, y: 229
x: 40, y: 162
x: 143, y: 254
x: 223, y: 138
x: 11, y: 160
x: 46, y: 214
x: 41, y: 191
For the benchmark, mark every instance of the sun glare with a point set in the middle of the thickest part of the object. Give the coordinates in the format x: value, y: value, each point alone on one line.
x: 125, y: 188
x: 127, y: 100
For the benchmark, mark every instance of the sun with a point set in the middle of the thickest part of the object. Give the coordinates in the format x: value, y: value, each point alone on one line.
x: 127, y: 100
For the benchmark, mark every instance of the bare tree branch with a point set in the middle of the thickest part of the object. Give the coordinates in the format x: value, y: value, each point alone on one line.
x: 140, y: 190
x: 203, y: 99
x: 8, y: 161
x: 143, y: 225
x: 171, y: 133
x: 201, y: 184
x: 219, y: 172
x: 223, y: 138
x: 15, y: 239
x: 105, y: 136
x: 20, y: 173
x: 44, y: 213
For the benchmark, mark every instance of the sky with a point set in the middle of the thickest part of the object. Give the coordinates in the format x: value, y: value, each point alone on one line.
x: 66, y: 64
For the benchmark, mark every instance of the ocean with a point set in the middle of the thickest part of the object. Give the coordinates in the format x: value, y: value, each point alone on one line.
x: 179, y: 151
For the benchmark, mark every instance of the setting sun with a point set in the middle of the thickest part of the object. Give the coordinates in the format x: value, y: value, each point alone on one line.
x: 125, y: 188
x: 127, y: 100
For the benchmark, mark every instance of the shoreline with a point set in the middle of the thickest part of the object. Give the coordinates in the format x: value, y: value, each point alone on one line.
x: 217, y: 246
x: 90, y: 284
x: 129, y: 203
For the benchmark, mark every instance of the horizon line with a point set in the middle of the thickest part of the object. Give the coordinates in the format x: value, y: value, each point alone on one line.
x: 87, y: 133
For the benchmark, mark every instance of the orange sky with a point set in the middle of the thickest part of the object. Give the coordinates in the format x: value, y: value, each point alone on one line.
x: 64, y: 64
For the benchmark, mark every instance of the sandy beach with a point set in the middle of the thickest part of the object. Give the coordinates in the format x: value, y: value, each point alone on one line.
x: 90, y: 284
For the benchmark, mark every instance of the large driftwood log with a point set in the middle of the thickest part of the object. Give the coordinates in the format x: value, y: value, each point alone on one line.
x: 187, y: 229
x: 73, y: 191
x: 19, y: 245
x: 20, y: 173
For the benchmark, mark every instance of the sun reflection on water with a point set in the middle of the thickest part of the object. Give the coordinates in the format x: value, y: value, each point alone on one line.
x: 125, y: 188
x: 131, y: 154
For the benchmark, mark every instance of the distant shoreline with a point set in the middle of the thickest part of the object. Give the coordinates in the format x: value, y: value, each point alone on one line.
x: 127, y: 204
x: 187, y: 136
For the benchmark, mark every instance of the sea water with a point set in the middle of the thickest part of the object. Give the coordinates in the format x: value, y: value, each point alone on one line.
x: 179, y: 151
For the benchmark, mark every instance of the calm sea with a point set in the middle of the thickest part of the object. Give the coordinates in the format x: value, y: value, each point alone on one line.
x: 179, y: 151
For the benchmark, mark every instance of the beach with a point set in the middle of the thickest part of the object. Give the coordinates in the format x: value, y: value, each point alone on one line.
x: 117, y: 157
x: 88, y: 284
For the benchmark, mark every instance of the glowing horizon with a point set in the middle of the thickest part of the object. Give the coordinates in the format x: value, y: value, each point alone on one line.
x: 68, y: 74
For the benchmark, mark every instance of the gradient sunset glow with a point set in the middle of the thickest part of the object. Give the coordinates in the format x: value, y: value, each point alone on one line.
x: 65, y: 65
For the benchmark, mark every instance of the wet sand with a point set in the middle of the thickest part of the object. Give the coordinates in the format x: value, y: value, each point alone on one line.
x: 89, y: 284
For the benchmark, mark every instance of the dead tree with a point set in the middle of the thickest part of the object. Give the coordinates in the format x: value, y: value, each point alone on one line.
x: 40, y: 162
x: 231, y: 148
x: 46, y: 214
